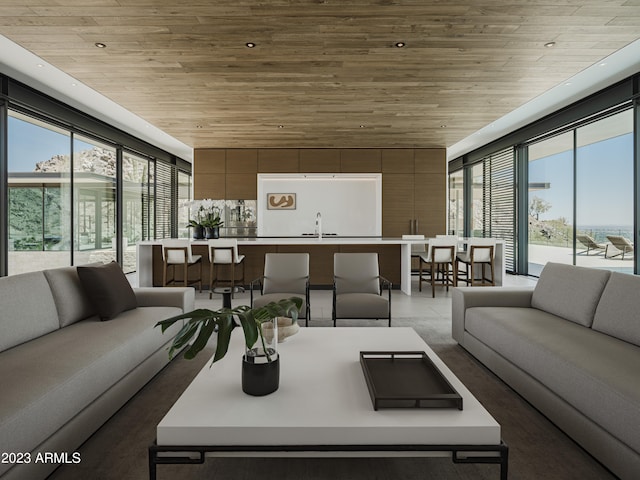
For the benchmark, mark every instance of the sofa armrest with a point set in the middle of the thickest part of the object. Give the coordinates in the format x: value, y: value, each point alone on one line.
x: 181, y: 297
x: 463, y: 298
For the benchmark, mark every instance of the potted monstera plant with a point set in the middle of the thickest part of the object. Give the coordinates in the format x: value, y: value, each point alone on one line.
x: 261, y: 361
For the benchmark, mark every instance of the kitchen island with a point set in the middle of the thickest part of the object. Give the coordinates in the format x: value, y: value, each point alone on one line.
x: 394, y: 257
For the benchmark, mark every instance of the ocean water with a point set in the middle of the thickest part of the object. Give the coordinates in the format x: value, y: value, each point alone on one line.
x: 599, y: 232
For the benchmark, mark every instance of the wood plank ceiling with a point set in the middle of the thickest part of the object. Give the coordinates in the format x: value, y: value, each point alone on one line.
x: 323, y: 73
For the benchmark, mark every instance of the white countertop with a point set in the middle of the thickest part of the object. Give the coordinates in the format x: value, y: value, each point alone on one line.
x: 328, y: 240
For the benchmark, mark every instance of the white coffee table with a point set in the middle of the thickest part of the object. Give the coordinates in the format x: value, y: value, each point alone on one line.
x: 322, y: 408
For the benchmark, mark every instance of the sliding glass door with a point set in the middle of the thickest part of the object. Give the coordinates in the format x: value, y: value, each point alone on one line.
x: 604, y: 193
x: 456, y: 203
x: 550, y: 202
x: 39, y: 195
x: 584, y: 179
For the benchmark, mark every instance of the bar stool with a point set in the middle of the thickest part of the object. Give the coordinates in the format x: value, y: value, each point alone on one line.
x: 480, y: 252
x: 416, y: 248
x: 440, y: 258
x: 224, y: 251
x: 177, y: 252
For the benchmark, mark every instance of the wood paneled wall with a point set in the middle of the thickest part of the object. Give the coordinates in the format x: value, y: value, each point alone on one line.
x: 413, y: 180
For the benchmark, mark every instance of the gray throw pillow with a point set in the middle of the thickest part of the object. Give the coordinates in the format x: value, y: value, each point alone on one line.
x: 108, y: 289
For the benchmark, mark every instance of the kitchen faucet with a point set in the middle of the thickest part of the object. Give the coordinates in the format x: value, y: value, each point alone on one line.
x: 319, y: 225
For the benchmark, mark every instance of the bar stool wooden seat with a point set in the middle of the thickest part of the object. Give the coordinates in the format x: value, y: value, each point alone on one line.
x: 177, y: 252
x: 224, y: 252
x: 440, y: 260
x: 480, y: 253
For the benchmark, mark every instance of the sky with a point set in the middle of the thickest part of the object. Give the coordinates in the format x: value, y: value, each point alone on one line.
x: 604, y: 183
x: 30, y: 144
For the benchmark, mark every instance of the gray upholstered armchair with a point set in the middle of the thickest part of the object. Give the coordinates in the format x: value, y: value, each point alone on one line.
x: 358, y: 288
x: 286, y: 275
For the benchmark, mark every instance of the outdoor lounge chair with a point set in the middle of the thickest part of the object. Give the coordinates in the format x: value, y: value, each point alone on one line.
x: 589, y: 243
x: 621, y: 244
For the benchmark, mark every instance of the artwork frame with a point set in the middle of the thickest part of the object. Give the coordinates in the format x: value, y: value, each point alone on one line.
x: 281, y: 201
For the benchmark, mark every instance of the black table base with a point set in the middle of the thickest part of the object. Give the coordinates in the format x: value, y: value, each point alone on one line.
x: 161, y: 454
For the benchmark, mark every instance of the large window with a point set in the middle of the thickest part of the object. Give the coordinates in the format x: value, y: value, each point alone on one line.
x: 63, y: 194
x: 581, y: 196
x: 477, y: 203
x: 604, y: 192
x: 184, y: 201
x: 94, y: 167
x: 136, y: 197
x: 456, y: 203
x: 550, y: 202
x: 39, y: 196
x: 576, y: 185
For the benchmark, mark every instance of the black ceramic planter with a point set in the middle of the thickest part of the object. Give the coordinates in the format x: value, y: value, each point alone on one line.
x: 212, y: 232
x: 260, y: 378
x: 198, y: 232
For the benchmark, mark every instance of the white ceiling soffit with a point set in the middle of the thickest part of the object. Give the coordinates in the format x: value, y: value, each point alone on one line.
x: 614, y: 68
x: 24, y: 66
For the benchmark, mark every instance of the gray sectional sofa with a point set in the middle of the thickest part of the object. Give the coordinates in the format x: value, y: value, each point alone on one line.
x: 571, y: 347
x: 63, y: 371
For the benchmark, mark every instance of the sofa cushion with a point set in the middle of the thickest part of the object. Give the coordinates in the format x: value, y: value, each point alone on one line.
x: 595, y: 373
x: 569, y: 292
x: 28, y: 309
x: 47, y: 381
x: 619, y: 307
x: 72, y: 302
x: 108, y: 289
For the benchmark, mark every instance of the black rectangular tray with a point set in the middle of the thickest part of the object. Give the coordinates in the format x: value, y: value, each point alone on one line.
x: 407, y: 380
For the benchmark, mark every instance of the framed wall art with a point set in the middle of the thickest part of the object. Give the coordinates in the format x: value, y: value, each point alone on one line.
x: 281, y: 201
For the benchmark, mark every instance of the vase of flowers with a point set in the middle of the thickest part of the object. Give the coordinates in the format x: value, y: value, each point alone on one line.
x: 206, y: 221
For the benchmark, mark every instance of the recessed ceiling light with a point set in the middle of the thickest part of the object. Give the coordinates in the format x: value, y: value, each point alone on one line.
x: 567, y: 83
x: 250, y: 45
x: 39, y: 65
x: 100, y: 45
x: 74, y: 84
x: 550, y: 44
x: 602, y: 64
x: 400, y: 44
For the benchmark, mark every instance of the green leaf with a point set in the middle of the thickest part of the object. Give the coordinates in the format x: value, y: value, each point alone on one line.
x: 206, y: 330
x: 225, y: 327
x: 249, y: 327
x: 182, y: 337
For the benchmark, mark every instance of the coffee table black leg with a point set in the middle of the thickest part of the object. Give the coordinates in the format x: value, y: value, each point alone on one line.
x: 199, y: 452
x: 504, y: 463
x: 464, y: 454
x: 152, y: 463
